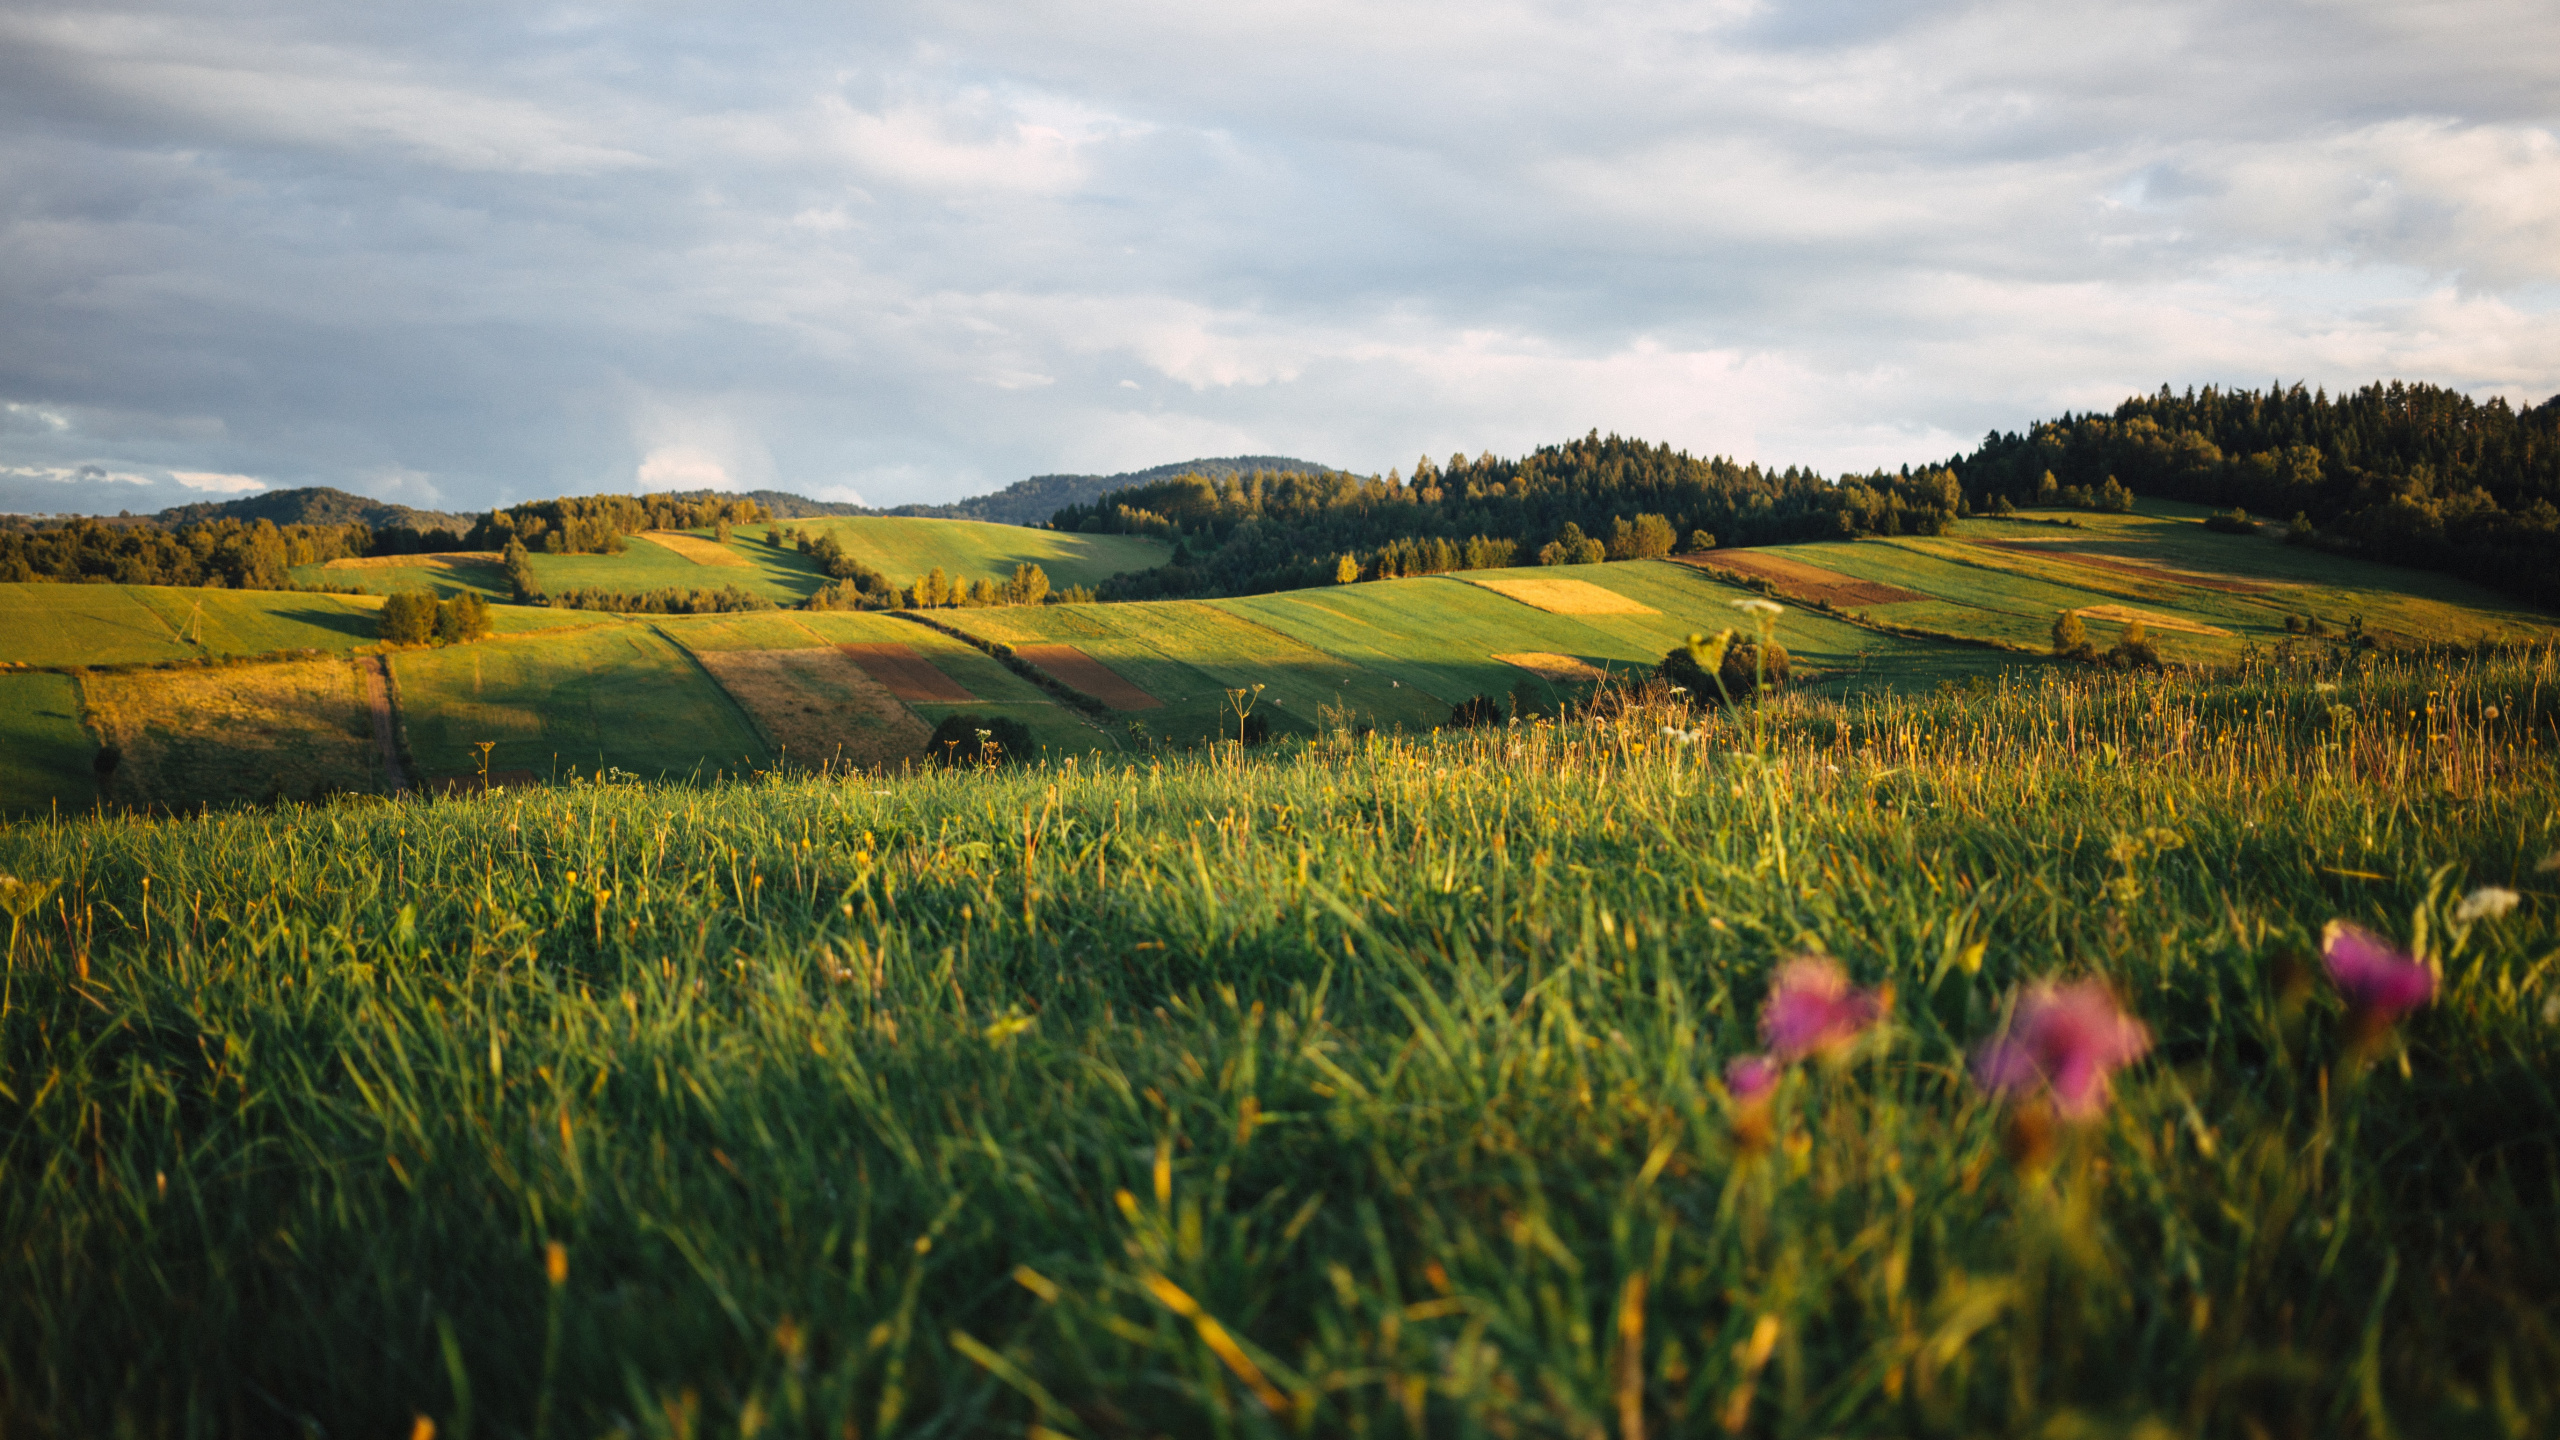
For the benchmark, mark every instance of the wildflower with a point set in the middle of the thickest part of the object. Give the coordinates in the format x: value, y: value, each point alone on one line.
x: 2326, y: 687
x: 2380, y: 984
x: 1812, y: 1008
x: 1751, y: 1078
x: 2489, y: 713
x: 2489, y: 901
x: 2066, y: 1039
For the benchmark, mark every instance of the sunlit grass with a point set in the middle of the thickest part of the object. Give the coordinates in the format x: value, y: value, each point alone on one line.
x: 1372, y: 1086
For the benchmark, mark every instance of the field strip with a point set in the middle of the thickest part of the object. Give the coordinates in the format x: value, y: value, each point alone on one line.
x: 2126, y: 615
x: 2199, y: 579
x: 414, y: 562
x: 1546, y: 665
x: 1560, y: 597
x: 817, y: 706
x: 906, y: 674
x: 696, y: 549
x: 1078, y: 671
x: 1798, y: 581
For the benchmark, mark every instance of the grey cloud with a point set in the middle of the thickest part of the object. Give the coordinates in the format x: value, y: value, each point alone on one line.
x: 914, y: 251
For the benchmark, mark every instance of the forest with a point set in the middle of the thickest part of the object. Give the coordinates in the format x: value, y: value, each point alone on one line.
x: 225, y: 554
x: 1265, y: 530
x: 2411, y: 474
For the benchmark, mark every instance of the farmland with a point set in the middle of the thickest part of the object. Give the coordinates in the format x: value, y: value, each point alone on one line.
x: 1374, y: 1086
x: 904, y: 547
x: 45, y: 754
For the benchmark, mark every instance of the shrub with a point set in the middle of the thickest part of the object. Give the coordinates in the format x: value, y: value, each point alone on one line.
x: 2234, y: 521
x: 1468, y: 714
x: 464, y: 617
x: 1745, y: 668
x: 2133, y: 649
x: 2071, y: 636
x: 407, y: 618
x: 978, y: 740
x: 1702, y: 539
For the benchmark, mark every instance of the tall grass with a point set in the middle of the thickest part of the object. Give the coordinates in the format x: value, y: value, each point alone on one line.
x: 1365, y: 1088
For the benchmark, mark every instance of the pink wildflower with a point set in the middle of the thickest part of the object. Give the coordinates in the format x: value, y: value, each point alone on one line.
x: 1812, y: 1009
x: 2380, y: 984
x: 1750, y: 1078
x: 2067, y: 1038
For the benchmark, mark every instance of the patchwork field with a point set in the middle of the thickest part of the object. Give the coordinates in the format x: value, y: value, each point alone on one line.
x: 44, y: 750
x: 58, y: 625
x: 225, y: 735
x: 905, y: 547
x: 1556, y: 596
x: 444, y: 575
x: 620, y: 696
x: 2204, y: 596
x: 817, y: 707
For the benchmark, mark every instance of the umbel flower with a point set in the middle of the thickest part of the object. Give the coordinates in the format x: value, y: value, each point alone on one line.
x: 2487, y: 902
x: 2380, y: 984
x: 1813, y: 1010
x: 2066, y: 1040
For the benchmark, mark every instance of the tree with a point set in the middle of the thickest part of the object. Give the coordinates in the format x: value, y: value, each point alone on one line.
x: 1347, y: 569
x: 2134, y: 650
x: 972, y: 741
x: 407, y: 618
x: 1029, y: 585
x: 2070, y: 636
x: 464, y: 617
x: 1702, y: 539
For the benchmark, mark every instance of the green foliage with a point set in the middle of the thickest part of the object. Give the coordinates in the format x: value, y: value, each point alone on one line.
x: 673, y: 600
x: 1702, y: 540
x: 595, y: 524
x: 1029, y: 585
x: 1019, y: 1098
x: 1476, y: 711
x: 1347, y: 569
x: 2070, y: 636
x: 464, y: 617
x: 2234, y: 521
x: 407, y: 618
x: 226, y: 552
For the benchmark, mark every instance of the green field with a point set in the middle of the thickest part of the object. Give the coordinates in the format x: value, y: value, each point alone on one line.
x: 1361, y: 1088
x: 900, y: 547
x: 44, y: 753
x: 2243, y: 585
x: 618, y: 696
x: 58, y: 626
x: 905, y: 547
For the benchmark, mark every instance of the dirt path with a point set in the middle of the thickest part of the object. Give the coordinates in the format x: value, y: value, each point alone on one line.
x: 377, y: 694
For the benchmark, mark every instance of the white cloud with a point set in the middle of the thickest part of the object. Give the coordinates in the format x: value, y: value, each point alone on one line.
x: 217, y: 484
x: 682, y: 467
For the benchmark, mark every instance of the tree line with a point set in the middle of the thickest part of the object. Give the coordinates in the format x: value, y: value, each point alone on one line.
x: 1580, y: 501
x: 222, y: 554
x: 2412, y: 474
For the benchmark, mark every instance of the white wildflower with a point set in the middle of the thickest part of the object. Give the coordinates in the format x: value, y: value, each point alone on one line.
x: 2326, y: 687
x: 2489, y: 901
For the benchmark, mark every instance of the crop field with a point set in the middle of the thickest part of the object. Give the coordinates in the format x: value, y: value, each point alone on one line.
x: 614, y: 696
x: 444, y: 575
x: 1188, y: 655
x: 904, y: 547
x: 1743, y: 1072
x: 2004, y: 580
x: 45, y: 753
x: 1443, y: 634
x: 234, y: 734
x: 59, y: 625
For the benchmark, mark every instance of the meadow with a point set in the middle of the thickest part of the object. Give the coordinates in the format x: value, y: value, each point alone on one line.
x: 2004, y: 580
x: 1375, y: 1085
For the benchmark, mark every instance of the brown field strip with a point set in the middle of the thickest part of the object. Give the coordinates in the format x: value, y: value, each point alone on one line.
x: 2148, y: 570
x: 695, y: 548
x: 906, y: 674
x: 1078, y: 671
x: 1799, y: 581
x: 1546, y: 665
x: 411, y: 562
x: 2126, y: 615
x: 818, y: 707
x: 1560, y: 597
x: 296, y: 730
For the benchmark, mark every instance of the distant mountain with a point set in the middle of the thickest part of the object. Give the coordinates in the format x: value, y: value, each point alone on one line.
x: 1033, y: 501
x: 314, y: 505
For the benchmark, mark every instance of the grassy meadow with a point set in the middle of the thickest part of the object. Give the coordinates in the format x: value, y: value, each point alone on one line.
x: 2004, y: 580
x: 1361, y: 1086
x: 46, y: 755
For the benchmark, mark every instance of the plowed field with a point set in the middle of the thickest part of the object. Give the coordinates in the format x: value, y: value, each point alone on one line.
x: 906, y: 674
x: 1799, y: 581
x: 1076, y: 670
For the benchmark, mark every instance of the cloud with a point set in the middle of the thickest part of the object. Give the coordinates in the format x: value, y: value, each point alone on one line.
x: 930, y: 248
x: 217, y: 484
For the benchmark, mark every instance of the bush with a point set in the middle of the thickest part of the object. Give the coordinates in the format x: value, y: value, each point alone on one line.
x: 1702, y: 539
x: 407, y: 618
x: 1468, y: 714
x: 2234, y: 521
x: 964, y: 741
x: 2133, y: 649
x: 1746, y: 668
x: 464, y: 617
x: 2071, y: 637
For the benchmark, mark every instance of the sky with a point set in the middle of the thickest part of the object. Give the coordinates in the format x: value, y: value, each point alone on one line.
x: 460, y: 255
